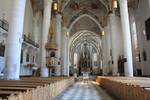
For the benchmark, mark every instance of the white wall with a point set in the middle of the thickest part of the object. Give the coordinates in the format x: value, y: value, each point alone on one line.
x: 142, y: 13
x: 5, y: 10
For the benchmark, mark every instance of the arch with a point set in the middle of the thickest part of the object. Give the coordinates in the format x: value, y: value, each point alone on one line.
x: 80, y: 17
x: 91, y: 43
x: 72, y: 51
x: 79, y: 34
x: 82, y: 12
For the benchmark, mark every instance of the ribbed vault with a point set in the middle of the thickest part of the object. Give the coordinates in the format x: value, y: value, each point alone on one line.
x: 85, y: 37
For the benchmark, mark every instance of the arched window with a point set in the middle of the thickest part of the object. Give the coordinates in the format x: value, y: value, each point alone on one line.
x: 95, y: 57
x: 95, y: 63
x: 75, y: 59
x: 135, y: 41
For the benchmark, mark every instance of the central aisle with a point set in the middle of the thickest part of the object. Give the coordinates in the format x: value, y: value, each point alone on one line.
x: 84, y: 91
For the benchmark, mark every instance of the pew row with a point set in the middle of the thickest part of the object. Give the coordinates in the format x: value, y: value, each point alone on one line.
x: 125, y: 88
x: 33, y: 88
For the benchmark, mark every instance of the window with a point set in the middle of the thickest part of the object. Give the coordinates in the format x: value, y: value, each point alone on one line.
x: 147, y: 26
x: 75, y: 59
x: 135, y: 42
x: 95, y: 57
x: 4, y: 24
x: 21, y: 60
x: 33, y: 59
x: 2, y: 50
x: 27, y: 58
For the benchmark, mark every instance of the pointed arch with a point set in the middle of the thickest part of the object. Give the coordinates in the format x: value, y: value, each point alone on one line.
x: 76, y: 40
x: 82, y: 16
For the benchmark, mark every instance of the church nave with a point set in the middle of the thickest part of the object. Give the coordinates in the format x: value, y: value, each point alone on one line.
x: 55, y: 49
x: 84, y: 91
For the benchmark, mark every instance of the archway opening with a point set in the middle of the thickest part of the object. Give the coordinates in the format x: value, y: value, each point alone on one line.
x: 85, y: 53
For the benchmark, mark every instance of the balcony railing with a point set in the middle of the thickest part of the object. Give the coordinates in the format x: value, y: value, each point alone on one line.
x: 4, y: 25
x: 30, y: 41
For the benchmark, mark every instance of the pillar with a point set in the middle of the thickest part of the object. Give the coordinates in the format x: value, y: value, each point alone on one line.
x: 64, y: 48
x: 36, y: 30
x: 58, y: 41
x: 67, y: 55
x: 126, y: 37
x: 116, y: 40
x: 65, y: 52
x: 107, y: 47
x: 104, y: 51
x: 14, y: 41
x: 46, y: 25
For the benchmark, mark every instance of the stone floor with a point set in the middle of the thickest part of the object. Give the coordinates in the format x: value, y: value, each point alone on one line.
x: 84, y: 91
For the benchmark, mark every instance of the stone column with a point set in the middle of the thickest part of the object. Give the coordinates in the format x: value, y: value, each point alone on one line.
x: 117, y: 48
x: 65, y: 52
x: 67, y: 55
x: 126, y: 37
x: 36, y: 30
x: 58, y: 41
x: 104, y: 51
x: 108, y: 50
x: 14, y: 40
x: 64, y: 48
x: 46, y: 25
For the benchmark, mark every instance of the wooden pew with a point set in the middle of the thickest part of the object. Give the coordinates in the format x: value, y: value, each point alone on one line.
x: 125, y: 88
x: 34, y: 88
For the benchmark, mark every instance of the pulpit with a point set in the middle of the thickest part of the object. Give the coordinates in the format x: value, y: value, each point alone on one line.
x: 51, y: 48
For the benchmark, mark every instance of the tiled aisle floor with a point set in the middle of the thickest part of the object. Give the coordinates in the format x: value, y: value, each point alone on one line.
x: 84, y: 91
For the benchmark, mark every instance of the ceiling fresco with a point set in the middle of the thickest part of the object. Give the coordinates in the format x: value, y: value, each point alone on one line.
x: 77, y: 8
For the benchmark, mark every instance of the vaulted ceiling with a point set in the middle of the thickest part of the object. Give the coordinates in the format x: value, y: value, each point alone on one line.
x: 90, y: 38
x: 38, y: 4
x: 85, y: 23
x: 73, y: 9
x: 84, y: 17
